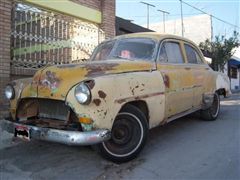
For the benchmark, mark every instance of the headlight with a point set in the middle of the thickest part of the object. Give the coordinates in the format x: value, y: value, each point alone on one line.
x: 9, y: 92
x: 82, y: 93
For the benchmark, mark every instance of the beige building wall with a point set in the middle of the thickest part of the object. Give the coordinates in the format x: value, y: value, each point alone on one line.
x: 196, y: 28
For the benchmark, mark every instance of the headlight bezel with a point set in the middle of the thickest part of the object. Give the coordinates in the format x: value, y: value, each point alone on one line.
x: 9, y: 87
x: 83, y: 86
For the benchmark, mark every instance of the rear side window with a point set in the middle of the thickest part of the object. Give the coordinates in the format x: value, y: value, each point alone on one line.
x: 192, y: 55
x: 170, y: 52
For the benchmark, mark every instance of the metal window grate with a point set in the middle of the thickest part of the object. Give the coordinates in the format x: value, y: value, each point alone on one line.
x: 40, y: 37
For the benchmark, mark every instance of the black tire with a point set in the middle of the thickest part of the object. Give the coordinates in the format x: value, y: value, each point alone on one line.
x: 128, y: 136
x: 212, y: 112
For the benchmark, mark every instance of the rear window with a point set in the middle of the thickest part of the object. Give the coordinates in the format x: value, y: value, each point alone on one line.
x: 192, y: 55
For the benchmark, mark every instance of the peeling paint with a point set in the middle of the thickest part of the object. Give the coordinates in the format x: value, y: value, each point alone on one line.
x: 50, y: 80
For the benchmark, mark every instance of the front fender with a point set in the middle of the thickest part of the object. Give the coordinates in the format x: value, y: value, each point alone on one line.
x: 111, y: 92
x: 18, y: 85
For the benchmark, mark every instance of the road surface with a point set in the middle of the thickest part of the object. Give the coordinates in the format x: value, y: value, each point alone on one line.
x: 187, y: 148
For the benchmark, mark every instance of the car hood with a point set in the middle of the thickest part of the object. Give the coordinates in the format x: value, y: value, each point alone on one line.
x: 55, y: 81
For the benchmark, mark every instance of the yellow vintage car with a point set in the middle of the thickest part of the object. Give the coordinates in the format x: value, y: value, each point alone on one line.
x: 131, y: 84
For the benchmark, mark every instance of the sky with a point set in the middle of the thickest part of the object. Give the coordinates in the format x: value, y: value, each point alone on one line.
x: 227, y: 10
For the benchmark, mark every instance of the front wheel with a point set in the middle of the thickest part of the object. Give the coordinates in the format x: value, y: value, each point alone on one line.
x: 212, y: 112
x: 128, y: 136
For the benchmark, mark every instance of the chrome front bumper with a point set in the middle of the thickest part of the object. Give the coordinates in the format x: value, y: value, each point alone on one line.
x: 60, y: 136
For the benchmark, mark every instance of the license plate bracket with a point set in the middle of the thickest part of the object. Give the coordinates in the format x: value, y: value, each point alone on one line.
x: 22, y: 132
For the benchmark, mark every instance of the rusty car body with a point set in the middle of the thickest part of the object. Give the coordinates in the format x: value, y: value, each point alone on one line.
x: 131, y: 84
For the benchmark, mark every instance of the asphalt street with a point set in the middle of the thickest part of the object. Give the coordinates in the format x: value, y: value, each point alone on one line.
x: 187, y: 148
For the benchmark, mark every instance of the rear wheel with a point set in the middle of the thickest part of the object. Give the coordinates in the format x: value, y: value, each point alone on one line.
x: 212, y: 112
x: 128, y: 136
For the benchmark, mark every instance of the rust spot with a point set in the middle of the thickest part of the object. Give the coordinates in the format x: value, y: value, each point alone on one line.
x: 97, y: 102
x: 102, y: 94
x: 120, y: 101
x: 99, y: 68
x: 166, y: 80
x: 90, y: 83
x: 105, y: 113
x: 28, y: 108
x: 137, y: 86
x: 132, y: 91
x: 143, y: 84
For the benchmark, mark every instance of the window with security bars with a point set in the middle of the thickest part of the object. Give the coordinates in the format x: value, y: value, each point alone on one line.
x: 40, y: 37
x: 233, y: 72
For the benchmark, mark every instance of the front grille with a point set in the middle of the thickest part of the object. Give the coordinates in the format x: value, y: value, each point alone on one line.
x: 43, y: 108
x: 53, y: 109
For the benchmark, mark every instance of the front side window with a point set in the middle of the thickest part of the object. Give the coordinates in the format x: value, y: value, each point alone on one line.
x: 192, y: 55
x: 171, y: 52
x: 127, y: 48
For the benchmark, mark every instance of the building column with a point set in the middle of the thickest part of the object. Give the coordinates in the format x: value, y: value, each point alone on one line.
x: 5, y: 38
x: 108, y: 18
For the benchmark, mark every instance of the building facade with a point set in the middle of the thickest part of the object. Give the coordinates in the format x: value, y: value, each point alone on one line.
x: 35, y: 33
x: 124, y: 26
x: 197, y: 28
x: 232, y: 69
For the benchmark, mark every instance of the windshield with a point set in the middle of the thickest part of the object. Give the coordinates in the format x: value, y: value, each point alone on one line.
x: 129, y: 48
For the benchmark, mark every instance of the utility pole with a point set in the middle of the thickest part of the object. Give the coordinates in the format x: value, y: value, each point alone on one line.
x: 147, y: 11
x: 182, y: 18
x: 164, y: 12
x: 211, y: 27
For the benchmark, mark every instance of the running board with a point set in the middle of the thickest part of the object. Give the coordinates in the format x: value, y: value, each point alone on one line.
x: 179, y: 115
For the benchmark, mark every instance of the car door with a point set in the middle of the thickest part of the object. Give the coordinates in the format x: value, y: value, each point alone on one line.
x: 200, y: 72
x: 177, y: 77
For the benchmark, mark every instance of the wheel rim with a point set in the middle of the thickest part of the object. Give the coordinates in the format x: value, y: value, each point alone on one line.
x: 215, y: 106
x: 127, y: 135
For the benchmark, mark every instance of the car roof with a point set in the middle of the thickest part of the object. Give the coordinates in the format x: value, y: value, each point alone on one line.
x: 153, y: 35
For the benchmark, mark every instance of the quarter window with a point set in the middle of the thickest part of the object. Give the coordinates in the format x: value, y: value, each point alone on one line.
x: 171, y: 52
x: 192, y: 55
